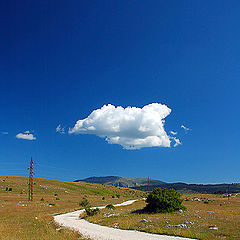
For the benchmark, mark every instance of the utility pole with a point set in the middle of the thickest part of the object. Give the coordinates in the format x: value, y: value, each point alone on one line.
x: 228, y: 191
x: 30, y: 182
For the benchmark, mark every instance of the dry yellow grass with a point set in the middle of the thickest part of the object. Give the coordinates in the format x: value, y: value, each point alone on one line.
x: 21, y: 219
x: 217, y: 212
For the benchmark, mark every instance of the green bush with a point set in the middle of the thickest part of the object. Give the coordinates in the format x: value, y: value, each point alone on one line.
x: 110, y: 206
x: 42, y: 199
x: 84, y: 203
x: 103, y: 198
x: 91, y: 212
x: 163, y: 200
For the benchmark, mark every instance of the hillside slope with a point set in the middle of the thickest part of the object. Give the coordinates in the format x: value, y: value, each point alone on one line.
x: 21, y: 219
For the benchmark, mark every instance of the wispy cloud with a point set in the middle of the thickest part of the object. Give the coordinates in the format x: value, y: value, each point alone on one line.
x: 185, y: 128
x: 5, y: 133
x: 131, y: 127
x: 177, y: 141
x: 60, y: 129
x: 173, y: 133
x: 26, y: 135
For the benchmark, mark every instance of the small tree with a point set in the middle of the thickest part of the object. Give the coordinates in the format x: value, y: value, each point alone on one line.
x: 84, y: 203
x: 92, y: 211
x: 110, y: 206
x: 163, y: 200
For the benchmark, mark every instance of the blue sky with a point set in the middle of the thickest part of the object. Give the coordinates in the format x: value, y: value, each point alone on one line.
x: 60, y: 61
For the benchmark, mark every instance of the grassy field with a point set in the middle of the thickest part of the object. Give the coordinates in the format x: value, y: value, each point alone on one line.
x: 21, y: 219
x: 213, y: 211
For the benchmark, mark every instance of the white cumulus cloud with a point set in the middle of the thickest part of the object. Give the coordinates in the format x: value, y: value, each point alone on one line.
x: 26, y: 135
x: 60, y: 129
x: 131, y: 127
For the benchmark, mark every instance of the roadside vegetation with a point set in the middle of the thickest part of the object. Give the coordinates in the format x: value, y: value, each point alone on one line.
x: 21, y: 219
x: 162, y: 200
x: 205, y: 216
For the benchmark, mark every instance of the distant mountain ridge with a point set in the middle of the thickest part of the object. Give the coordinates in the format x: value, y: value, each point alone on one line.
x: 122, y: 181
x: 142, y: 184
x: 197, y: 188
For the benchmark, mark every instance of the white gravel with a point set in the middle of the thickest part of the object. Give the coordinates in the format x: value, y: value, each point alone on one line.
x: 98, y: 232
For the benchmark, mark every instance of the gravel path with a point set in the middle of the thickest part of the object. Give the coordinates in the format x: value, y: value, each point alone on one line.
x: 98, y: 232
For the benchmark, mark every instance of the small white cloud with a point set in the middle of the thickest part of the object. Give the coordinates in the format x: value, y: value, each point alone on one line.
x: 5, y: 133
x: 185, y: 128
x: 131, y: 127
x: 60, y: 129
x: 26, y: 135
x: 173, y: 133
x: 177, y: 141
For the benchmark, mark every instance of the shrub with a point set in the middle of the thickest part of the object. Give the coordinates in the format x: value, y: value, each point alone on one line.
x: 84, y: 203
x: 57, y: 198
x: 110, y: 206
x: 103, y: 198
x: 91, y: 212
x: 118, y: 195
x: 42, y: 199
x: 10, y: 189
x: 163, y: 200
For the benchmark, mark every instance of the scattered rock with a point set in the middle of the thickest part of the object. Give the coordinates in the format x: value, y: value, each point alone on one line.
x: 187, y: 222
x: 180, y: 210
x: 196, y: 199
x: 210, y: 212
x: 116, y: 225
x: 22, y: 205
x: 111, y: 214
x: 213, y: 227
x: 144, y: 220
x: 182, y: 225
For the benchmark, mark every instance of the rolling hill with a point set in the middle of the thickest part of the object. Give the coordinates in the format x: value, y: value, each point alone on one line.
x: 122, y: 181
x: 142, y: 184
